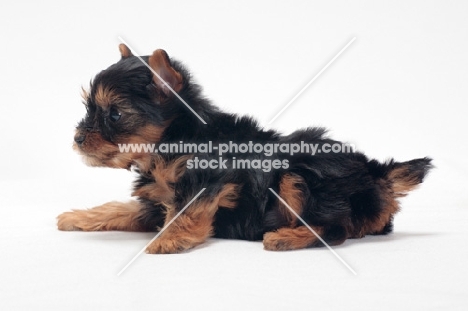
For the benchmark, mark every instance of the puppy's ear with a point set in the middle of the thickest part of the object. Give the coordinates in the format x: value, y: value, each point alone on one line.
x: 168, y: 76
x: 124, y: 51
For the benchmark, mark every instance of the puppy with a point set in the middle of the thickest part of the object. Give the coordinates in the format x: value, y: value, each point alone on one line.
x: 247, y: 195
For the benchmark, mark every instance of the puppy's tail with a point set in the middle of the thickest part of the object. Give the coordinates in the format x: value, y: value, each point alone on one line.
x: 402, y: 177
x: 394, y: 180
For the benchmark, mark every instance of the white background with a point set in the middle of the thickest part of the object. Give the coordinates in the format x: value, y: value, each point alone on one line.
x: 398, y: 91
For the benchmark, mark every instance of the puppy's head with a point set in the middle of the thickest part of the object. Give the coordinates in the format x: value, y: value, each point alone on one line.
x: 127, y: 104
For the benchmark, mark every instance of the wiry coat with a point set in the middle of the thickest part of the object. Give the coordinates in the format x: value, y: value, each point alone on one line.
x: 340, y: 195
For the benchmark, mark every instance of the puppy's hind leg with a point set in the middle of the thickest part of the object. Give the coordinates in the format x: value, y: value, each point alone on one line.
x: 109, y: 216
x: 301, y: 237
x: 291, y: 238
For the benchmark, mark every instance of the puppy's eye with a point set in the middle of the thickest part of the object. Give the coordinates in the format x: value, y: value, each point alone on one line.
x: 114, y: 114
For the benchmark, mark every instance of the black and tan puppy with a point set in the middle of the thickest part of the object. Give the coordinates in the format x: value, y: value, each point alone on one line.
x: 339, y: 194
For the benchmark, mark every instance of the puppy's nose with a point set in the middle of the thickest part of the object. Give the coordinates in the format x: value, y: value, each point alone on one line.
x: 79, y: 138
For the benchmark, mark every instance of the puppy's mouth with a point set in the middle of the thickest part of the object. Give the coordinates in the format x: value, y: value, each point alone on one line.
x: 114, y: 159
x: 98, y: 151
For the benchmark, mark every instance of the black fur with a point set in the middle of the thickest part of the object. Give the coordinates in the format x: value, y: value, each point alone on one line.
x: 342, y: 191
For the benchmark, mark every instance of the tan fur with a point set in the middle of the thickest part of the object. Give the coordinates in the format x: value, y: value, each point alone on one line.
x: 160, y: 64
x: 105, y: 97
x: 390, y: 206
x: 290, y: 193
x: 124, y: 51
x: 109, y: 216
x: 192, y: 227
x: 84, y: 95
x: 164, y: 174
x: 402, y: 181
x: 229, y: 195
x: 291, y: 238
x: 99, y: 152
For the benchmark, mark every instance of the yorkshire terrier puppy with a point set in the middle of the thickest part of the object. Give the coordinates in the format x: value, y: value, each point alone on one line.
x: 340, y: 195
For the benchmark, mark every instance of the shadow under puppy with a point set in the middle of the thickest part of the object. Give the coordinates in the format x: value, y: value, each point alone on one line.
x: 340, y: 195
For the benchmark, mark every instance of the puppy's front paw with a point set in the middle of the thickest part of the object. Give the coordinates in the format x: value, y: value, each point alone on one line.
x: 68, y: 222
x: 164, y: 245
